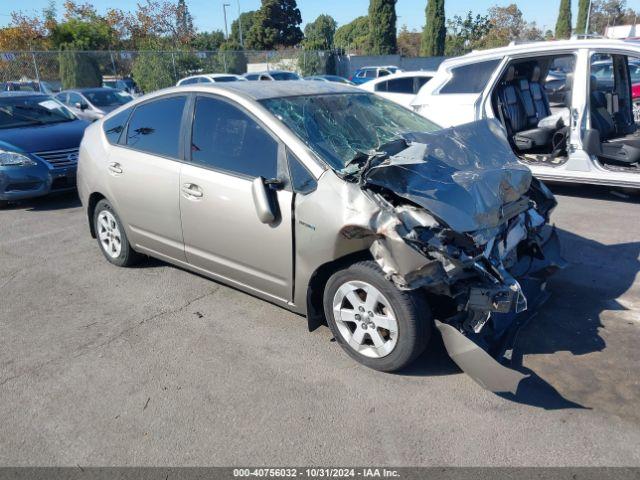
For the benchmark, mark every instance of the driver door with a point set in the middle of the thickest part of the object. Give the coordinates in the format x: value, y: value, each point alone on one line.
x: 222, y: 234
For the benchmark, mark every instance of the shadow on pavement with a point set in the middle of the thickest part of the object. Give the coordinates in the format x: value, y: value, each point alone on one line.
x: 596, y: 192
x: 54, y: 201
x: 596, y: 276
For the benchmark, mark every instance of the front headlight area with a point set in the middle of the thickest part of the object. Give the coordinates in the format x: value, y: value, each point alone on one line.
x: 15, y: 159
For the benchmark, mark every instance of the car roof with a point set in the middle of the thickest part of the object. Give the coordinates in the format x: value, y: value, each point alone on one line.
x: 543, y: 47
x: 88, y: 90
x: 265, y: 90
x: 23, y: 93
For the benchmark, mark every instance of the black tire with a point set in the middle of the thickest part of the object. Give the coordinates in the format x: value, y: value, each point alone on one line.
x: 127, y: 256
x: 411, y: 310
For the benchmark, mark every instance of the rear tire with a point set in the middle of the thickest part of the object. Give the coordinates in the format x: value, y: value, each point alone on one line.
x: 112, y: 237
x: 377, y: 324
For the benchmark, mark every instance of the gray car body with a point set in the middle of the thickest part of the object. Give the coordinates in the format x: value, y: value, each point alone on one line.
x: 91, y: 112
x: 317, y: 233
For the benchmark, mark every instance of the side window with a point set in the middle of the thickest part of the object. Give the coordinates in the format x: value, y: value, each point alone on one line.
x: 74, y: 98
x: 400, y: 85
x: 301, y: 180
x: 225, y: 137
x: 62, y: 97
x: 189, y: 81
x: 381, y: 86
x: 155, y: 126
x: 360, y: 74
x: 419, y: 82
x: 370, y: 73
x: 383, y: 73
x: 470, y: 78
x: 114, y: 126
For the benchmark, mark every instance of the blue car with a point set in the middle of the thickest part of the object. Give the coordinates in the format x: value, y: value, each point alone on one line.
x: 365, y: 74
x: 39, y: 142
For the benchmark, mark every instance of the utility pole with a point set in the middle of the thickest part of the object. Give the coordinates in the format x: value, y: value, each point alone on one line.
x: 224, y: 13
x: 240, y: 25
x: 586, y: 27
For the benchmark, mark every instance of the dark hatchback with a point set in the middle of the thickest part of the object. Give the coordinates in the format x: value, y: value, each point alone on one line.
x: 39, y: 142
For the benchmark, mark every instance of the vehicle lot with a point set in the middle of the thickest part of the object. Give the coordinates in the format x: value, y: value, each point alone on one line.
x: 158, y: 366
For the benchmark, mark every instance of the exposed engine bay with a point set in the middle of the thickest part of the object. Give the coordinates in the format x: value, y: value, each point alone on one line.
x: 460, y: 218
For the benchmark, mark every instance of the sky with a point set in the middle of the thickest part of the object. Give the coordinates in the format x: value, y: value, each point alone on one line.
x: 207, y: 14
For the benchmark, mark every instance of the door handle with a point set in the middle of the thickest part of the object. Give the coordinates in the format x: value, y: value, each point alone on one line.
x: 115, y: 167
x: 192, y: 190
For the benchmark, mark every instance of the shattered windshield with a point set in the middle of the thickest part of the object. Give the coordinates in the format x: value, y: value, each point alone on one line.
x: 342, y: 127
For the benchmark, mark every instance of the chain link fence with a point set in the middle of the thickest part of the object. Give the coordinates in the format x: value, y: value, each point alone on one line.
x: 152, y: 70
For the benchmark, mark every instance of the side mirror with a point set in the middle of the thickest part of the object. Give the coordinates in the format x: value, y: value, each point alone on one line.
x: 81, y: 105
x: 263, y: 200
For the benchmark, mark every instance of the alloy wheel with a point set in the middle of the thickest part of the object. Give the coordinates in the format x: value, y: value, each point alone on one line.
x: 365, y: 319
x: 109, y: 234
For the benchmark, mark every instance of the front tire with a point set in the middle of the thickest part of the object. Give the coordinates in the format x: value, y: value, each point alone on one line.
x: 377, y: 324
x: 111, y: 236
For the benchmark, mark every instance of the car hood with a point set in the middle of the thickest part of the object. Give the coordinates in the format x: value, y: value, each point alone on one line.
x: 42, y: 138
x: 464, y: 176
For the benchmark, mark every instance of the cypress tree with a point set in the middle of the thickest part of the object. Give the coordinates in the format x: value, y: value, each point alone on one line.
x: 382, y: 27
x: 434, y: 32
x: 563, y: 25
x: 583, y: 13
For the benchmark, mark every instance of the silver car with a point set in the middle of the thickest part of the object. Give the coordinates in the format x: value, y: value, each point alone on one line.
x: 333, y: 203
x: 93, y: 103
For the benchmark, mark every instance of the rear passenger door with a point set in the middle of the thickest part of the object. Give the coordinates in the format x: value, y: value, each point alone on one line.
x: 144, y: 176
x: 223, y: 236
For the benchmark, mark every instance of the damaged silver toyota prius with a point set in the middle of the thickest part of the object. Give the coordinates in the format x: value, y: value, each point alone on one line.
x: 336, y: 204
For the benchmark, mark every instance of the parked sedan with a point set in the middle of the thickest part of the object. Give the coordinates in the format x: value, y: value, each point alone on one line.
x: 93, y: 103
x: 210, y: 78
x: 329, y: 78
x: 334, y: 203
x: 278, y: 75
x: 39, y: 139
x: 399, y: 87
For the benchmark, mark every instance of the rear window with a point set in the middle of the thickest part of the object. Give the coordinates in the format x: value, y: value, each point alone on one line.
x: 114, y: 126
x: 470, y: 78
x: 155, y: 126
x: 225, y: 79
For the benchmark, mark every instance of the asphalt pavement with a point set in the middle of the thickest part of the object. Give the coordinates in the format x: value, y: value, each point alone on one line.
x: 154, y: 365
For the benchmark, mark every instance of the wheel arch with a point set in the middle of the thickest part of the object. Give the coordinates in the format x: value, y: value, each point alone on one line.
x: 94, y: 198
x: 318, y: 281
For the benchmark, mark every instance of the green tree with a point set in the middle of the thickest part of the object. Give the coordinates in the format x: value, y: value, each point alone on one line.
x: 382, y: 27
x: 583, y: 13
x: 353, y: 35
x: 434, y: 33
x: 95, y: 34
x: 611, y: 12
x: 277, y: 23
x: 563, y: 24
x: 153, y: 71
x: 466, y: 33
x: 246, y: 20
x: 508, y: 24
x: 207, y: 40
x: 79, y: 70
x: 232, y: 59
x: 184, y: 22
x: 408, y: 42
x: 318, y: 35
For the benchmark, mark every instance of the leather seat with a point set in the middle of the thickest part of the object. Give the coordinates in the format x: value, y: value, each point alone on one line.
x: 519, y: 114
x: 623, y: 150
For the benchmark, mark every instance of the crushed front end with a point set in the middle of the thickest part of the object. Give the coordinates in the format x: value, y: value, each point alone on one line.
x: 461, y: 219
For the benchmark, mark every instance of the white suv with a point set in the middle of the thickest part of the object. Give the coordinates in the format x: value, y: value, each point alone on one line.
x: 567, y: 118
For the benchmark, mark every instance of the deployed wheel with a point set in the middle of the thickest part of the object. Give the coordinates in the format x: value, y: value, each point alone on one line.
x: 112, y: 237
x: 375, y: 323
